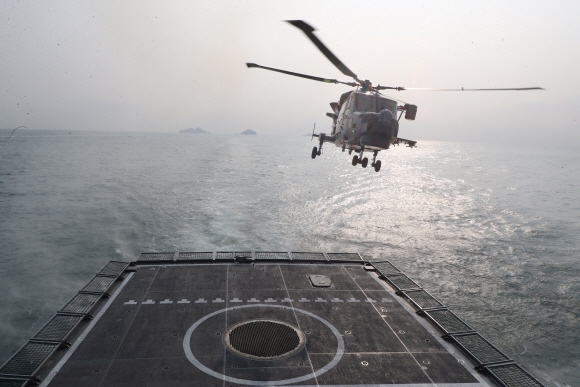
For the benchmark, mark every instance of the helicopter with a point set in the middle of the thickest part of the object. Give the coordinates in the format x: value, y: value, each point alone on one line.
x: 363, y: 120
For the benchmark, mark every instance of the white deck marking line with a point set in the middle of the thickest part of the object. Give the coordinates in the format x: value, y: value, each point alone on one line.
x: 430, y: 329
x: 106, y: 373
x: 226, y: 322
x: 296, y: 318
x: 253, y: 299
x: 392, y: 330
x: 79, y: 340
x: 315, y: 374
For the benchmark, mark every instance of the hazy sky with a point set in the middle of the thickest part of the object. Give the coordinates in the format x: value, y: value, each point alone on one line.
x: 164, y: 66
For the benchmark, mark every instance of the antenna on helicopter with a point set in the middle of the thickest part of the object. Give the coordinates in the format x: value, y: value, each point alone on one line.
x: 313, y: 135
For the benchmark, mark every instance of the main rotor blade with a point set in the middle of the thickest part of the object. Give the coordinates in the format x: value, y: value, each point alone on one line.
x: 325, y: 80
x: 309, y: 31
x: 462, y: 89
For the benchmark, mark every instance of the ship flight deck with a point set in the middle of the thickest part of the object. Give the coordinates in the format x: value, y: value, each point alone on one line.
x: 257, y: 319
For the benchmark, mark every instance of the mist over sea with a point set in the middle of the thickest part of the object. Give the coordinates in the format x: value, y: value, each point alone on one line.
x: 493, y: 231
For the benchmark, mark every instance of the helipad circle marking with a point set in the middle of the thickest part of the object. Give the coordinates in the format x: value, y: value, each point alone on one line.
x: 327, y: 367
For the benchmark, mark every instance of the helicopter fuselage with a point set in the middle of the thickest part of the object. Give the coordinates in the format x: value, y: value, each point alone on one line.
x: 365, y: 121
x: 353, y: 130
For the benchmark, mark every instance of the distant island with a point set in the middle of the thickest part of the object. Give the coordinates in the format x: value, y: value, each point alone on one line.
x: 249, y: 131
x: 191, y: 130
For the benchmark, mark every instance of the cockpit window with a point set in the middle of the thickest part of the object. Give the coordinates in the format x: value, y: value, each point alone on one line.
x: 343, y: 99
x: 373, y: 103
x: 365, y: 103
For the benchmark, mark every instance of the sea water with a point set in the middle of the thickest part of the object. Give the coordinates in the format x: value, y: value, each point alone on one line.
x: 493, y: 231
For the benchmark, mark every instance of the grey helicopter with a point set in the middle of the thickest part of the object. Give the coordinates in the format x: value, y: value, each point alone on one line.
x: 363, y: 120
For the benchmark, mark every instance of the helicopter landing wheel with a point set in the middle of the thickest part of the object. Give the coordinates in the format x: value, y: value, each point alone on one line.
x: 315, y: 152
x: 364, y: 162
x: 355, y: 160
x: 377, y: 166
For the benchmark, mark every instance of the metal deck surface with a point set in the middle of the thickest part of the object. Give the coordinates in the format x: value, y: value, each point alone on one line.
x: 164, y: 325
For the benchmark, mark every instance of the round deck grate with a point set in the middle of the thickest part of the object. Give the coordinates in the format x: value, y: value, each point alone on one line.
x: 264, y: 339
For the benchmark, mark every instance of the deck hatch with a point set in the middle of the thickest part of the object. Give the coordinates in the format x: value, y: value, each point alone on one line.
x: 512, y: 375
x: 385, y: 267
x: 422, y: 300
x: 447, y: 321
x: 345, y: 257
x: 320, y: 281
x: 402, y: 282
x: 195, y: 256
x: 113, y: 268
x: 272, y: 255
x: 58, y: 328
x: 480, y: 349
x: 305, y: 256
x: 264, y: 339
x: 99, y: 284
x: 81, y: 303
x: 157, y: 256
x: 28, y: 359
